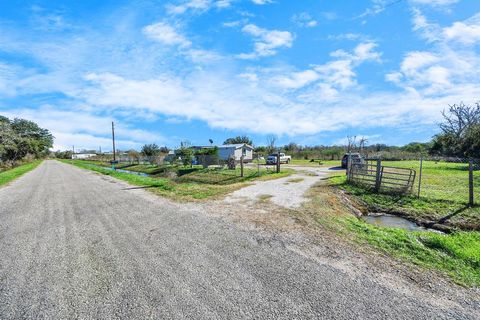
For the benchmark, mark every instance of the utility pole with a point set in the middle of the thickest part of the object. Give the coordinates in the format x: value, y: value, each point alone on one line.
x: 113, y: 143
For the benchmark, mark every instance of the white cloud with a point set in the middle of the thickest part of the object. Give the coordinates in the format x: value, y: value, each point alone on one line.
x: 267, y: 42
x: 197, y: 6
x: 304, y: 20
x: 262, y: 2
x: 89, y: 131
x: 434, y: 2
x: 446, y: 67
x: 166, y: 34
x: 297, y: 79
x: 466, y: 32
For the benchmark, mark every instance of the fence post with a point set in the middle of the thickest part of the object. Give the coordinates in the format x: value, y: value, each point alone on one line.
x: 241, y: 166
x: 349, y: 167
x: 258, y: 165
x: 420, y: 176
x: 278, y: 161
x: 378, y: 176
x: 470, y: 183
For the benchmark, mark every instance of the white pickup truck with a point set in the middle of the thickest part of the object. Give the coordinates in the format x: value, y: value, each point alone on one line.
x: 272, y: 159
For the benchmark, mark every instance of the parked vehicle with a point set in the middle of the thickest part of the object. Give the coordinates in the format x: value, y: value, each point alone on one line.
x: 356, y: 158
x: 272, y: 159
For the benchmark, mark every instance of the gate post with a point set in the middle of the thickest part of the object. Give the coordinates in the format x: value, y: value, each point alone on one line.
x: 470, y: 183
x: 378, y: 176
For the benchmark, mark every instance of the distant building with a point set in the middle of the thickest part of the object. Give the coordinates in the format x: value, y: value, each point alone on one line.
x: 227, y: 151
x: 81, y: 156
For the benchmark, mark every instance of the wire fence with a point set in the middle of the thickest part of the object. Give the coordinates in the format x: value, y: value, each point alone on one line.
x: 440, y: 179
x: 237, y: 165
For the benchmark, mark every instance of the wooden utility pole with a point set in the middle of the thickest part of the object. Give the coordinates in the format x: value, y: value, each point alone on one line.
x: 471, y: 200
x: 113, y: 143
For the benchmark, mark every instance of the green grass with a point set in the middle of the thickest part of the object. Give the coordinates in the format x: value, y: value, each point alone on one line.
x: 444, y: 195
x: 195, y: 184
x: 456, y: 255
x: 12, y: 174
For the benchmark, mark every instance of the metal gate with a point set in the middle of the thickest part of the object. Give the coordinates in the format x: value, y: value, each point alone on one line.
x: 372, y: 175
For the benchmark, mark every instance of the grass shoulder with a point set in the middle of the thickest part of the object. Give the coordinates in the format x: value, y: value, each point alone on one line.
x: 455, y: 255
x: 12, y: 174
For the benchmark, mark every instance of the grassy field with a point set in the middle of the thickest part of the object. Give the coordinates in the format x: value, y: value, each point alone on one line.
x: 443, y: 198
x: 195, y: 184
x: 457, y: 255
x: 9, y: 175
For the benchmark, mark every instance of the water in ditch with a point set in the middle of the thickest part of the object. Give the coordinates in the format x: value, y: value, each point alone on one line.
x: 391, y: 221
x: 124, y: 171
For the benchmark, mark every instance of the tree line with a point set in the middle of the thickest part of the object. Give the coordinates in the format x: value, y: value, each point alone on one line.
x: 22, y: 140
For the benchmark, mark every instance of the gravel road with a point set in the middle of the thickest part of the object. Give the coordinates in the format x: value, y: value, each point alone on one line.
x: 78, y: 245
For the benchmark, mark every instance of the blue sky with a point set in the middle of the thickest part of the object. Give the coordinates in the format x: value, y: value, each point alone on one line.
x: 310, y: 71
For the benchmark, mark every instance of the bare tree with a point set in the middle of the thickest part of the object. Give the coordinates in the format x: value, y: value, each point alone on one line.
x: 362, y: 144
x: 271, y: 140
x: 351, y: 143
x: 460, y: 117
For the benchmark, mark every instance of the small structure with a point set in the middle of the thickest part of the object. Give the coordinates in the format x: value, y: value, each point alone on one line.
x: 81, y: 156
x: 236, y: 151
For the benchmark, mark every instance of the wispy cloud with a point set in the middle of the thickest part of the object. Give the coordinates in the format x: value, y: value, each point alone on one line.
x: 166, y: 34
x: 304, y: 20
x: 266, y: 42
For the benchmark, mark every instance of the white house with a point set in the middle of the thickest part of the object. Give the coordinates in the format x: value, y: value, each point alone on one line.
x: 228, y: 150
x: 83, y: 155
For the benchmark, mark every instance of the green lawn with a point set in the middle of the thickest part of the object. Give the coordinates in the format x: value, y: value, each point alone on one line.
x: 193, y: 183
x: 9, y: 175
x: 457, y: 255
x: 444, y: 195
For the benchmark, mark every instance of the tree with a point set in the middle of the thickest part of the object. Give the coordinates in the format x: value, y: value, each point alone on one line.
x: 416, y: 147
x: 164, y: 150
x: 459, y: 132
x: 239, y: 140
x: 471, y: 141
x: 150, y: 150
x: 459, y: 118
x: 186, y: 155
x: 19, y: 138
x: 134, y: 155
x: 271, y: 140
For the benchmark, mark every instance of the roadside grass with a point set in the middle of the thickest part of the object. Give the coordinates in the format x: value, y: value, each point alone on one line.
x: 456, y: 255
x: 194, y: 184
x: 12, y: 174
x: 443, y: 199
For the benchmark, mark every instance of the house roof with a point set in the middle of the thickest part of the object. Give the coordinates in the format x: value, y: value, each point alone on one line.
x: 236, y: 146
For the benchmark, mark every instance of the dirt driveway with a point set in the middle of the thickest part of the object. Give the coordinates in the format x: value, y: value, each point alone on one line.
x: 287, y: 192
